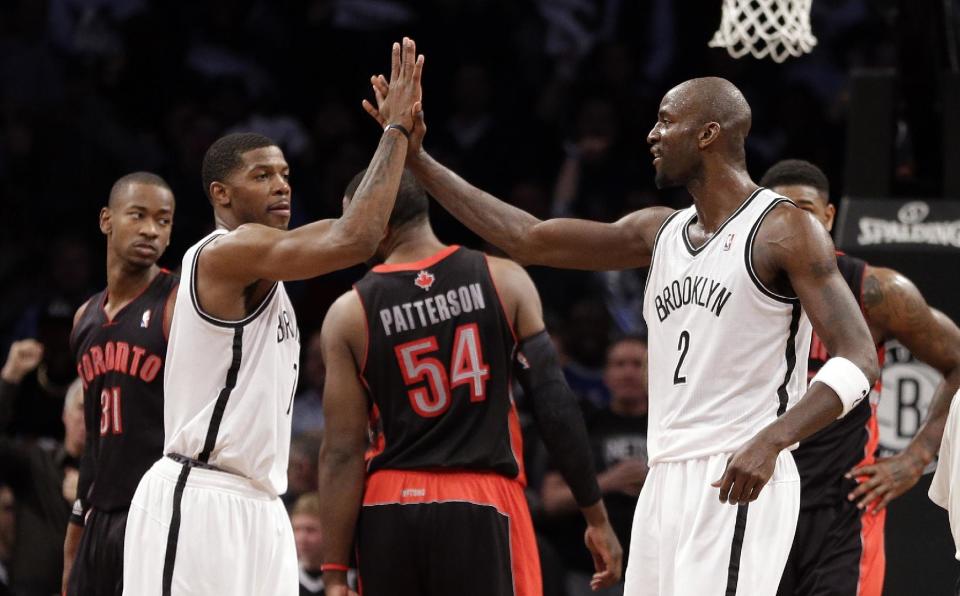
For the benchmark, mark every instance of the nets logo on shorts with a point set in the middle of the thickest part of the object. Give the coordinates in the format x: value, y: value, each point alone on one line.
x: 424, y: 280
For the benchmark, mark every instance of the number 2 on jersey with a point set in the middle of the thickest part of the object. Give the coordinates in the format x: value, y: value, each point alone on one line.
x: 111, y: 416
x: 683, y: 345
x: 466, y: 367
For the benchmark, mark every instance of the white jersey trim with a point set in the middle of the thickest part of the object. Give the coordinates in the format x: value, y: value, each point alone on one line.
x: 210, y: 318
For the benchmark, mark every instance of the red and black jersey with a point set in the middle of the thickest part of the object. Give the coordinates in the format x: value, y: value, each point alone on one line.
x: 827, y: 455
x: 438, y: 366
x: 120, y: 362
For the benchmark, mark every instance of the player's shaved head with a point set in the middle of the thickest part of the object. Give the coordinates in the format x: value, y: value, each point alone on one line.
x: 713, y: 99
x: 717, y: 100
x: 121, y: 185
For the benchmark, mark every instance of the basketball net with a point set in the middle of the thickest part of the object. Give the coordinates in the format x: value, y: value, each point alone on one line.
x: 775, y: 28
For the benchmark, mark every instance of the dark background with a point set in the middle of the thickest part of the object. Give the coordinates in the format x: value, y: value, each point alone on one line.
x: 93, y: 89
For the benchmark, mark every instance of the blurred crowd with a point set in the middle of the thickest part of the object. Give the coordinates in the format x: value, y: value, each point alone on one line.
x: 546, y: 103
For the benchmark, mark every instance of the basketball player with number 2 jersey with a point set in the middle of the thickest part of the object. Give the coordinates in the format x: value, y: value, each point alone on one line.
x: 733, y: 280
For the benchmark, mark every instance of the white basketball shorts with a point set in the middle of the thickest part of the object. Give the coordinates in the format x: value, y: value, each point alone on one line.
x: 685, y: 541
x: 232, y: 538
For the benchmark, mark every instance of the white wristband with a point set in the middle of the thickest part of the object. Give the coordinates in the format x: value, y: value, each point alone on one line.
x: 846, y: 379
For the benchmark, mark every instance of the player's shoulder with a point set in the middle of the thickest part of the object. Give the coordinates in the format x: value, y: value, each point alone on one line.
x: 346, y: 311
x: 881, y: 284
x: 509, y: 276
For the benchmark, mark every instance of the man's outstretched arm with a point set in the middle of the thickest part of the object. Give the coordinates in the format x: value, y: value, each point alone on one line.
x: 562, y: 243
x: 253, y: 252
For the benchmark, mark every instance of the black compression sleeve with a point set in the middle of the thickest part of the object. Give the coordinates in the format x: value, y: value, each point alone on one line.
x: 558, y: 416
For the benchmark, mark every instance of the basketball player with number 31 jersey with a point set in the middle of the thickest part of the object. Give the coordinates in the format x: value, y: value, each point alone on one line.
x: 119, y: 340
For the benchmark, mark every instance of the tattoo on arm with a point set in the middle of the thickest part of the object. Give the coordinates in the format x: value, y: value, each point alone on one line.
x: 872, y: 292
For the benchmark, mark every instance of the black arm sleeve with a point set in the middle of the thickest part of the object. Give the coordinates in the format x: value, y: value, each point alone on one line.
x: 558, y: 416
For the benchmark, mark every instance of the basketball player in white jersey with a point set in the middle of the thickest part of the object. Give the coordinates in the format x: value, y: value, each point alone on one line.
x: 735, y: 281
x: 206, y: 519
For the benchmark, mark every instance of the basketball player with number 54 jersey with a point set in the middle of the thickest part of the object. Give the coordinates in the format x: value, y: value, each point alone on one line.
x: 732, y: 281
x: 423, y: 354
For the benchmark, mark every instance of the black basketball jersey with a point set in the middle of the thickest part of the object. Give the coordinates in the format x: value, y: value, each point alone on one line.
x: 823, y: 458
x: 438, y: 366
x: 120, y: 362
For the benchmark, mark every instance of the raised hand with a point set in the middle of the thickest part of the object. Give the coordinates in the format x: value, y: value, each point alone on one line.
x: 381, y: 88
x: 25, y: 355
x: 405, y: 93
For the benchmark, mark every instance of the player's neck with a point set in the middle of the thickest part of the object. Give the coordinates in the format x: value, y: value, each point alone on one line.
x: 124, y: 283
x: 717, y: 193
x: 414, y: 246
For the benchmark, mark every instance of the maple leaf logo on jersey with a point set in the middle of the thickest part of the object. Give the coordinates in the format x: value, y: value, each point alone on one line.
x: 424, y: 280
x: 145, y: 319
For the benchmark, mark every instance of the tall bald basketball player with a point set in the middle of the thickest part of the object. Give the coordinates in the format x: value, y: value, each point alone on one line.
x: 119, y: 341
x: 838, y: 549
x: 733, y: 279
x: 206, y: 519
x: 424, y: 351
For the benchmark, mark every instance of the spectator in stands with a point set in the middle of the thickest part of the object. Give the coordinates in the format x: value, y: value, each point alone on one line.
x: 43, y: 478
x: 308, y: 535
x: 618, y: 437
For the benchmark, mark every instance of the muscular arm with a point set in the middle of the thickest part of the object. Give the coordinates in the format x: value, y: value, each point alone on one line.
x: 792, y: 248
x: 895, y: 309
x: 804, y: 252
x: 342, y: 467
x: 253, y: 251
x: 564, y: 243
x: 557, y: 415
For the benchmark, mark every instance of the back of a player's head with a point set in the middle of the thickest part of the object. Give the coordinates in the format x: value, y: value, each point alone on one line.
x: 412, y: 205
x: 796, y: 172
x: 226, y: 154
x: 145, y: 178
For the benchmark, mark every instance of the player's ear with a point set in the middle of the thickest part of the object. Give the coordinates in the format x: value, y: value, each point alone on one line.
x: 830, y: 212
x: 219, y: 194
x: 708, y: 134
x: 106, y: 225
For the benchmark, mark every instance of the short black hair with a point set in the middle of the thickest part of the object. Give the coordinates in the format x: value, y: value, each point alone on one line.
x: 796, y: 171
x: 412, y: 204
x: 627, y: 337
x: 136, y: 178
x: 226, y: 155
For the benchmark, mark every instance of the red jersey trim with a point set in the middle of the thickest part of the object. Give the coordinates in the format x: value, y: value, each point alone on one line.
x: 421, y: 264
x: 143, y: 290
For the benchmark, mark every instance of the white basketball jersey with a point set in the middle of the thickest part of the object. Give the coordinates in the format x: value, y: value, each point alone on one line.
x: 228, y: 385
x: 727, y: 355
